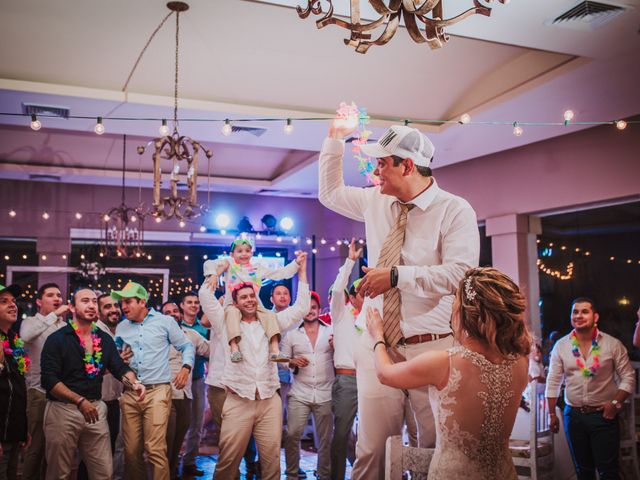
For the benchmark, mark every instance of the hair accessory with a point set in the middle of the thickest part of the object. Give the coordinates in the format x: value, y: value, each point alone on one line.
x: 469, y: 292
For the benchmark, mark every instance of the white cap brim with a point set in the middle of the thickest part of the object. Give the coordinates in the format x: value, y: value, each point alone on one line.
x: 374, y: 150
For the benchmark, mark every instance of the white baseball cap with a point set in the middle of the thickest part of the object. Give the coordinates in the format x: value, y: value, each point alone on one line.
x: 404, y: 142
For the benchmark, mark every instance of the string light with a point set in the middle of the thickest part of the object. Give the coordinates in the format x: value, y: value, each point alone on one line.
x: 106, y: 217
x: 323, y: 241
x: 78, y: 215
x: 164, y: 129
x: 309, y: 241
x: 35, y: 123
x: 24, y: 256
x: 621, y: 124
x: 167, y: 258
x: 12, y: 213
x: 134, y: 218
x: 517, y: 129
x: 158, y: 219
x: 203, y: 228
x: 568, y: 116
x: 182, y: 224
x: 186, y: 257
x: 99, y: 128
x: 226, y: 128
x: 314, y: 250
x: 46, y: 216
x: 566, y: 275
x: 465, y: 118
x: 332, y: 248
x: 288, y: 128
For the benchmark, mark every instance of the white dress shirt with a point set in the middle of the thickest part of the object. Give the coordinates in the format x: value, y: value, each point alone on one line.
x: 111, y: 387
x: 441, y: 243
x: 217, y: 362
x: 255, y: 374
x: 343, y: 319
x: 175, y: 362
x: 34, y: 331
x: 312, y: 383
x: 590, y: 391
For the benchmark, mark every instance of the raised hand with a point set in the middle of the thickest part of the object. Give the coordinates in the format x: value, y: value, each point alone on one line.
x: 354, y: 253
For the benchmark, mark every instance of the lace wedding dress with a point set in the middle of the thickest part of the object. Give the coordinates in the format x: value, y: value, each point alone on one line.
x: 475, y: 413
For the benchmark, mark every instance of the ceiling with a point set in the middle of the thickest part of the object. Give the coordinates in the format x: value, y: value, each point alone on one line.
x: 257, y: 59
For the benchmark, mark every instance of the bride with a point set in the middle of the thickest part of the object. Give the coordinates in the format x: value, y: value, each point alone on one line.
x: 475, y: 387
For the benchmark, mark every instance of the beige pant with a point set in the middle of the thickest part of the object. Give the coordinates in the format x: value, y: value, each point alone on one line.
x: 240, y: 418
x: 34, y: 466
x: 216, y: 397
x: 267, y: 318
x: 144, y: 428
x: 381, y: 409
x: 67, y: 431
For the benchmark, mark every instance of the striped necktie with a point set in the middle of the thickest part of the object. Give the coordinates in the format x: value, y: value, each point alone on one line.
x: 390, y: 256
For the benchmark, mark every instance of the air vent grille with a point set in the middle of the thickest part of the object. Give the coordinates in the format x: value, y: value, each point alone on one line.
x: 45, y: 110
x: 255, y: 131
x: 588, y: 15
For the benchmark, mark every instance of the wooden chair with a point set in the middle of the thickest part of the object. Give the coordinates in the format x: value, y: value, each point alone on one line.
x: 399, y: 458
x: 533, y: 458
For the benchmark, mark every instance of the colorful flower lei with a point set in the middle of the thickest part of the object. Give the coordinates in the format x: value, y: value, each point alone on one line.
x: 16, y: 350
x: 352, y: 114
x: 248, y: 269
x: 595, y: 351
x: 92, y: 361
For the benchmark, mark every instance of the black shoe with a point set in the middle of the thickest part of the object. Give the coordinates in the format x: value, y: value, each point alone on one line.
x: 302, y: 473
x: 192, y: 470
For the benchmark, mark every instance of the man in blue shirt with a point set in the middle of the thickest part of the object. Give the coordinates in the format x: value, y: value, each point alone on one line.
x: 144, y: 424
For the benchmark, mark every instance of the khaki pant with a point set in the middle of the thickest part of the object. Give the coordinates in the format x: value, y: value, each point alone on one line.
x: 267, y: 318
x: 34, y: 466
x: 381, y: 409
x: 240, y: 418
x: 66, y: 431
x: 216, y: 397
x: 144, y: 429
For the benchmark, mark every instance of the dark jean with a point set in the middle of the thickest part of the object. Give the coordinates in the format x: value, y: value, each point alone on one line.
x: 594, y: 443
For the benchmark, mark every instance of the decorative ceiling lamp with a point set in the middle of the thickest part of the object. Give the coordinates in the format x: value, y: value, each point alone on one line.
x: 123, y: 225
x: 391, y: 12
x: 180, y: 150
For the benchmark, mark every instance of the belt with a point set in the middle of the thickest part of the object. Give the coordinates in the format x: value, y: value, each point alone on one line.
x: 424, y: 337
x: 151, y: 386
x: 345, y: 371
x: 588, y: 409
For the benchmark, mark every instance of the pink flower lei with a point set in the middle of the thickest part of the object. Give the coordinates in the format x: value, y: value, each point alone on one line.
x: 15, y: 349
x: 595, y: 352
x: 92, y: 361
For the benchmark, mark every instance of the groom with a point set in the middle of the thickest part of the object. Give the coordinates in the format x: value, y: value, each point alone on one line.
x: 421, y: 240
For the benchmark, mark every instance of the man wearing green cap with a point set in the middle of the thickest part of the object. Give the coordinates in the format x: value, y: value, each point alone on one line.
x: 150, y: 335
x: 14, y: 363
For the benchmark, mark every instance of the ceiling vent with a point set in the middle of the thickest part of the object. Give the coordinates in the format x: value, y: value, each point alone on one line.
x: 45, y: 110
x: 255, y: 131
x: 43, y: 177
x: 587, y: 15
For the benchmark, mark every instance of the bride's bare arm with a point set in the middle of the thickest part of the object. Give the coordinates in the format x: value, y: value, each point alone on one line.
x: 429, y: 368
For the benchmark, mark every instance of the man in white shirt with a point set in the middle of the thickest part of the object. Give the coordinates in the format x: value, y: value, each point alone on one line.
x: 252, y: 404
x: 589, y: 361
x: 345, y: 307
x: 421, y: 240
x: 181, y: 399
x: 34, y: 331
x: 312, y: 357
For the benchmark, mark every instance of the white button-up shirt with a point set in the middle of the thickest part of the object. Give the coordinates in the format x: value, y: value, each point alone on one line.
x: 217, y: 362
x: 312, y: 383
x: 441, y: 242
x: 34, y: 331
x: 111, y: 387
x: 175, y: 362
x: 590, y: 391
x: 343, y: 317
x: 255, y: 374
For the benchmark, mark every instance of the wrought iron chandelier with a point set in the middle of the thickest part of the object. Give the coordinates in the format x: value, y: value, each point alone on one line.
x: 391, y: 12
x: 124, y: 225
x: 180, y: 150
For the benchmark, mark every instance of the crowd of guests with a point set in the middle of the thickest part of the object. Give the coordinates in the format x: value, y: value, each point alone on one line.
x: 424, y: 339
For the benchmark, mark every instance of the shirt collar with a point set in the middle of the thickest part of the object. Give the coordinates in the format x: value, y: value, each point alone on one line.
x: 425, y: 199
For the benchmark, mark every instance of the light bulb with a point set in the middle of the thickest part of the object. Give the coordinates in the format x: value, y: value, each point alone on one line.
x: 134, y: 218
x: 106, y: 217
x: 203, y: 228
x: 294, y: 240
x: 35, y: 123
x: 517, y: 130
x: 226, y: 128
x: 223, y: 232
x: 99, y: 128
x: 12, y: 213
x: 149, y: 257
x: 465, y: 118
x: 332, y: 248
x: 158, y: 219
x: 78, y: 215
x: 323, y: 241
x: 621, y: 124
x: 568, y: 115
x: 164, y: 129
x: 288, y: 128
x: 43, y: 257
x: 46, y: 216
x: 182, y: 224
x: 186, y: 257
x: 309, y: 242
x: 314, y: 250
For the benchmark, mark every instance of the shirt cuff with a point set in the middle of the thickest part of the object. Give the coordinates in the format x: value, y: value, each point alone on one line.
x: 51, y: 318
x: 333, y: 146
x: 406, y: 277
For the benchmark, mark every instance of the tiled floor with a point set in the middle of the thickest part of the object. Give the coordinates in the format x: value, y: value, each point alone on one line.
x: 307, y: 463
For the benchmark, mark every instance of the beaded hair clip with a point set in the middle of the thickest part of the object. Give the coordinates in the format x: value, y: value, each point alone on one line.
x: 469, y: 292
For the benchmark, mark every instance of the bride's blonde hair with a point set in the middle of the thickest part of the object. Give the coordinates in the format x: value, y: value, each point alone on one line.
x: 491, y: 309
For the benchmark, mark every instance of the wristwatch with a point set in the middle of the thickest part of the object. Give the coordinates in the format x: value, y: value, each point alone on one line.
x: 616, y: 404
x: 187, y: 366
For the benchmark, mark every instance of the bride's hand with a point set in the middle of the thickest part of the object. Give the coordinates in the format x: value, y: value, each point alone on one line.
x: 374, y: 324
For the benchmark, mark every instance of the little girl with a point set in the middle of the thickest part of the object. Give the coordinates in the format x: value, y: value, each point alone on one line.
x: 241, y: 270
